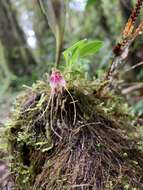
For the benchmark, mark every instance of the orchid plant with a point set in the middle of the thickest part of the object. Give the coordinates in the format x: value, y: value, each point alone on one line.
x: 72, y: 55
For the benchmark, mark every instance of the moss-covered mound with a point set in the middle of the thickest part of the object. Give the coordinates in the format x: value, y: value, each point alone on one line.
x: 58, y: 144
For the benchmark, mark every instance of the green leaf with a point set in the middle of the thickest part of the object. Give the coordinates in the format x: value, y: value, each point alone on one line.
x: 71, y: 52
x: 76, y: 45
x: 81, y: 49
x: 90, y: 48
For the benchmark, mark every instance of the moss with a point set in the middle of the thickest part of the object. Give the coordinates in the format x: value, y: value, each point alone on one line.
x: 50, y: 152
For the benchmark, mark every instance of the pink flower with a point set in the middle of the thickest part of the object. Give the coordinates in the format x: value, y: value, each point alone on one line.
x: 57, y: 82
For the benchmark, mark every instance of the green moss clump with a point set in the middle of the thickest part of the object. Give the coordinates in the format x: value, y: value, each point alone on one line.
x: 51, y: 152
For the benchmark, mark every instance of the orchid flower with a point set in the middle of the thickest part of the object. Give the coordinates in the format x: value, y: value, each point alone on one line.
x: 57, y: 82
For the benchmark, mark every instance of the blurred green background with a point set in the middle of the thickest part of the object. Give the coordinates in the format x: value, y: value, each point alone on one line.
x: 27, y: 44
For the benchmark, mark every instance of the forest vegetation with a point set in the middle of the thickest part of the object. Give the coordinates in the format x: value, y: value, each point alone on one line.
x: 71, y: 95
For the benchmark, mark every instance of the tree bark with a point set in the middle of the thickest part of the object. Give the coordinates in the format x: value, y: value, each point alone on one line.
x: 17, y: 53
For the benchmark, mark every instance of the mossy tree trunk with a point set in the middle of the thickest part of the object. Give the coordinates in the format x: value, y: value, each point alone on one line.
x: 17, y: 54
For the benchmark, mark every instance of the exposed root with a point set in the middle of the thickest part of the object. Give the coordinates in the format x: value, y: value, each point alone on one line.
x: 73, y: 101
x: 95, y: 149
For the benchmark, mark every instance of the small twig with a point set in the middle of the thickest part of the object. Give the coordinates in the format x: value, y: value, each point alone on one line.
x: 134, y: 66
x: 132, y: 88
